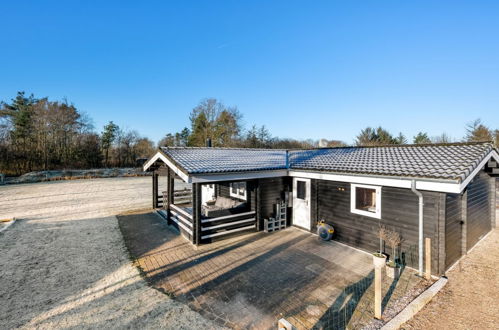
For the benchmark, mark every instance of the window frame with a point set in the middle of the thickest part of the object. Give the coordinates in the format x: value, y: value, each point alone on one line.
x: 237, y: 194
x: 298, y: 183
x: 353, y: 200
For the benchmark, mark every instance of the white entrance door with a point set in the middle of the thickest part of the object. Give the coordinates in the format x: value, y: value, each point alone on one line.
x: 301, y: 203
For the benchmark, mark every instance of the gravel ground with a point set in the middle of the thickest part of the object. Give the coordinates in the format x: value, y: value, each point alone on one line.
x: 470, y: 300
x: 64, y: 264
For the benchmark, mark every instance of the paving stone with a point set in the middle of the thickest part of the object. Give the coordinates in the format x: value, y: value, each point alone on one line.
x: 256, y: 279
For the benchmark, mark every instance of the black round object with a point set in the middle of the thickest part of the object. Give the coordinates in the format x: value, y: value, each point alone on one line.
x: 325, y: 232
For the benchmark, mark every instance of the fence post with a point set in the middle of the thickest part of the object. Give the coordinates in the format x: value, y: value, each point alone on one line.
x: 428, y: 258
x: 377, y: 292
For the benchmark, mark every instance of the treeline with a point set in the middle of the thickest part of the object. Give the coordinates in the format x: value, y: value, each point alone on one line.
x: 223, y: 126
x: 39, y: 134
x: 476, y: 131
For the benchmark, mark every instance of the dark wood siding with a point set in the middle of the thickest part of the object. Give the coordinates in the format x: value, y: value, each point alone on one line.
x: 399, y: 212
x: 223, y: 189
x: 478, y: 208
x: 271, y: 190
x: 314, y: 204
x: 453, y: 229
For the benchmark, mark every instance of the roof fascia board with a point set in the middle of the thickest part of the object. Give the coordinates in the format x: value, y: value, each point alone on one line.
x: 150, y: 162
x: 205, y: 178
x: 449, y: 187
x: 173, y: 167
x: 492, y: 154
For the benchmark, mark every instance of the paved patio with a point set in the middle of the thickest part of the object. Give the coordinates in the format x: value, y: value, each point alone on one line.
x: 253, y: 280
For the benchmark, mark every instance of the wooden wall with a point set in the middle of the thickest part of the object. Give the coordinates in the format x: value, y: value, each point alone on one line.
x: 271, y: 189
x: 399, y: 211
x: 453, y: 229
x: 478, y: 209
x: 223, y: 189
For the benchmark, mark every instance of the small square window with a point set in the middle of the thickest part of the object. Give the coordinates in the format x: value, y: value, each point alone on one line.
x: 301, y: 189
x: 238, y: 190
x: 366, y: 200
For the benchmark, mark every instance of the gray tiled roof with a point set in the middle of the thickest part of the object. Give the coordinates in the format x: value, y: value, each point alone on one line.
x: 452, y: 161
x: 221, y: 160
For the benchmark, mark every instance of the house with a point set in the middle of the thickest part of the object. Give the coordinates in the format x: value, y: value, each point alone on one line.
x: 443, y: 191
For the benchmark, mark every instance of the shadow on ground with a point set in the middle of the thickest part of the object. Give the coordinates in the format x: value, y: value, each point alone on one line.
x: 251, y: 281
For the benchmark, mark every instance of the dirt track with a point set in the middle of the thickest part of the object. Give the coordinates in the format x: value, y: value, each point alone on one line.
x: 470, y: 300
x: 64, y: 263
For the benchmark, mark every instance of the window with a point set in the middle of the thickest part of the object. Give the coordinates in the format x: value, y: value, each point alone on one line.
x: 238, y: 190
x: 301, y: 189
x: 366, y: 200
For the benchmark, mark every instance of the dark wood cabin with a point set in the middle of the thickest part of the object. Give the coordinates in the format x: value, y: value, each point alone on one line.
x: 356, y: 190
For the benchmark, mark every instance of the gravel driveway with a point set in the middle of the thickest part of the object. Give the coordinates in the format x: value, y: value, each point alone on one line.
x: 471, y: 298
x: 64, y: 263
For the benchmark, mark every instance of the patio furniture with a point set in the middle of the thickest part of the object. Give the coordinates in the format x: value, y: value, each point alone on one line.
x: 223, y: 206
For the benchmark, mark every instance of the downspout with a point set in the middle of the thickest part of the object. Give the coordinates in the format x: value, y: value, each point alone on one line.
x: 420, y: 251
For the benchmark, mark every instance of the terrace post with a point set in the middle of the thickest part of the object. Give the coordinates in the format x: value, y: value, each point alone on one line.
x: 196, y: 213
x: 170, y: 188
x: 258, y: 210
x: 155, y: 190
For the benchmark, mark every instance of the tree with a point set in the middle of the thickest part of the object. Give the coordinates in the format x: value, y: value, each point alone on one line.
x: 144, y: 148
x: 401, y: 139
x: 107, y: 138
x: 496, y: 138
x: 167, y: 141
x: 366, y: 137
x: 89, y: 151
x: 201, y: 130
x: 183, y: 137
x: 384, y: 137
x: 19, y: 114
x: 226, y: 129
x: 211, y: 119
x: 443, y: 138
x: 252, y: 137
x: 264, y: 137
x: 477, y: 132
x: 421, y: 138
x: 376, y: 137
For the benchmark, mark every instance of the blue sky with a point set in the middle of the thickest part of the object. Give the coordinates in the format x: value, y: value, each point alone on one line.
x: 304, y: 69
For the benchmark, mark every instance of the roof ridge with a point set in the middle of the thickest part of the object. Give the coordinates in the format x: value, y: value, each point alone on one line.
x: 412, y: 145
x: 224, y: 148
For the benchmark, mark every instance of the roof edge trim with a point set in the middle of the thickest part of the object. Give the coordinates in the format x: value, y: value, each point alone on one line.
x: 492, y: 154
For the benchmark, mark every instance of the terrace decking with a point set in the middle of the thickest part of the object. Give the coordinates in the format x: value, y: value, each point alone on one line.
x: 253, y: 280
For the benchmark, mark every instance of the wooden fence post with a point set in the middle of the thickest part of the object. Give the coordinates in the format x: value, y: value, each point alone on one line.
x: 428, y: 258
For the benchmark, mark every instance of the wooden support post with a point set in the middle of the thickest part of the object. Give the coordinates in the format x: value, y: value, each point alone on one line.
x: 427, y: 274
x: 196, y: 213
x: 258, y: 206
x: 169, y: 194
x: 154, y: 190
x: 377, y: 292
